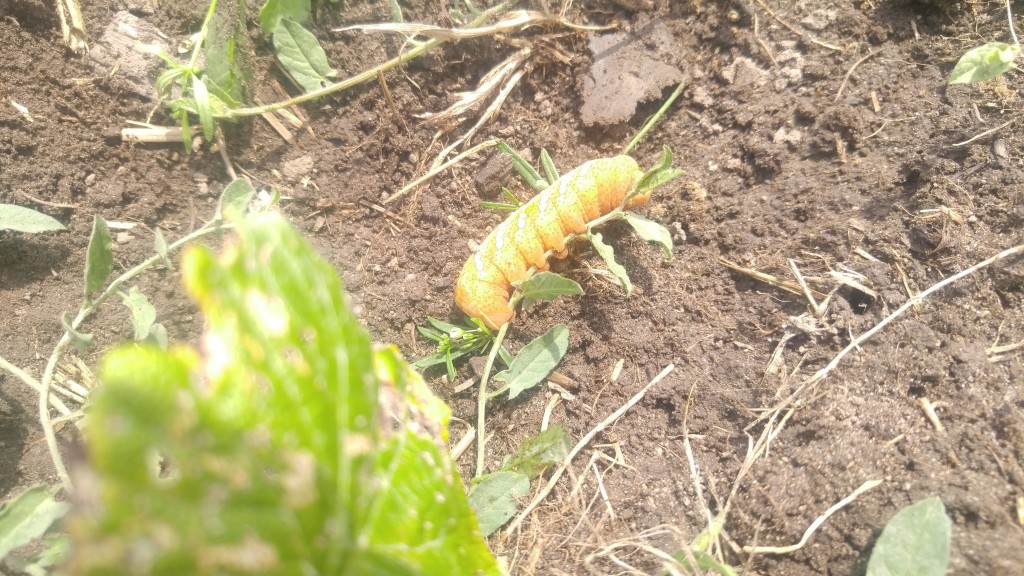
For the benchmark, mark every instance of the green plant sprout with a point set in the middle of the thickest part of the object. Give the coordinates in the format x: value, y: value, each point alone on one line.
x: 988, y: 60
x: 456, y: 342
x: 218, y: 92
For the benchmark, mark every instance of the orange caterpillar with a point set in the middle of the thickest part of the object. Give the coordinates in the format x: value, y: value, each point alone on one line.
x: 540, y: 228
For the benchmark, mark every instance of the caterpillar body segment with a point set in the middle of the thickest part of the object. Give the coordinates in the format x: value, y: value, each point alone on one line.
x: 538, y: 229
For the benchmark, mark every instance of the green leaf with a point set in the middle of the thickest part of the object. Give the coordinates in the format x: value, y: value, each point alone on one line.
x: 535, y: 361
x: 915, y: 542
x: 651, y: 231
x: 301, y: 55
x: 21, y: 219
x: 202, y: 96
x: 273, y: 11
x: 99, y: 257
x: 228, y: 54
x: 659, y: 174
x: 162, y: 249
x: 158, y: 335
x: 706, y: 563
x: 28, y: 516
x: 288, y: 443
x: 538, y: 452
x: 546, y: 286
x: 523, y: 167
x: 607, y: 253
x: 143, y: 313
x: 186, y: 131
x: 984, y: 62
x: 548, y: 165
x: 493, y: 498
x: 235, y: 199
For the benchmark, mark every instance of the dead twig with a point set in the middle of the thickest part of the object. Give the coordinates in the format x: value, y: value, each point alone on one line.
x: 795, y: 31
x: 850, y: 73
x: 44, y: 202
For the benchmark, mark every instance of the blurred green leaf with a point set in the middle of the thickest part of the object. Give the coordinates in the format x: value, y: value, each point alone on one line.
x: 301, y: 55
x: 984, y: 63
x: 204, y: 107
x: 99, y: 257
x: 538, y: 452
x: 288, y: 446
x: 21, y: 219
x: 28, y: 516
x: 228, y: 54
x: 494, y: 498
x: 915, y: 542
x: 535, y: 361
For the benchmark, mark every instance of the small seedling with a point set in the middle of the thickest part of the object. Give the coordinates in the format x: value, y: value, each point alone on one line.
x: 989, y: 60
x: 455, y: 343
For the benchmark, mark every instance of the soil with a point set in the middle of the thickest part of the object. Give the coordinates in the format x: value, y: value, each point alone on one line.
x: 817, y: 132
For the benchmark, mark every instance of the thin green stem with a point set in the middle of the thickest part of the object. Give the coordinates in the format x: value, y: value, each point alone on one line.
x: 358, y: 78
x: 197, y: 49
x: 654, y: 119
x: 481, y: 401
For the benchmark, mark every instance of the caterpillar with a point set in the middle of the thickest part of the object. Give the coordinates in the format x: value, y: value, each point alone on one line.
x: 539, y: 229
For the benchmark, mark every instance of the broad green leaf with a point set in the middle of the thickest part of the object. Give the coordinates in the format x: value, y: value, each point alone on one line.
x: 494, y: 498
x: 80, y: 340
x: 538, y: 452
x: 535, y: 361
x: 301, y: 55
x: 546, y: 286
x: 984, y: 62
x: 523, y: 167
x: 28, y: 516
x: 143, y: 313
x: 915, y: 542
x: 289, y: 445
x: 204, y: 107
x: 273, y: 11
x: 235, y: 199
x: 659, y: 174
x: 99, y: 257
x: 651, y: 231
x: 548, y: 165
x: 21, y: 219
x: 54, y: 549
x: 607, y: 253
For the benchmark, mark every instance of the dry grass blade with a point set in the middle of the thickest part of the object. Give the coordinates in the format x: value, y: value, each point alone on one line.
x: 814, y: 525
x: 512, y: 22
x: 787, y: 285
x: 488, y: 84
x: 72, y: 26
x: 435, y: 171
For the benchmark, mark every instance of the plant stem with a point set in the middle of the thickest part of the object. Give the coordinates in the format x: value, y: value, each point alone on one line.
x: 481, y: 401
x: 1009, y: 16
x: 358, y: 78
x: 654, y: 119
x: 87, y: 309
